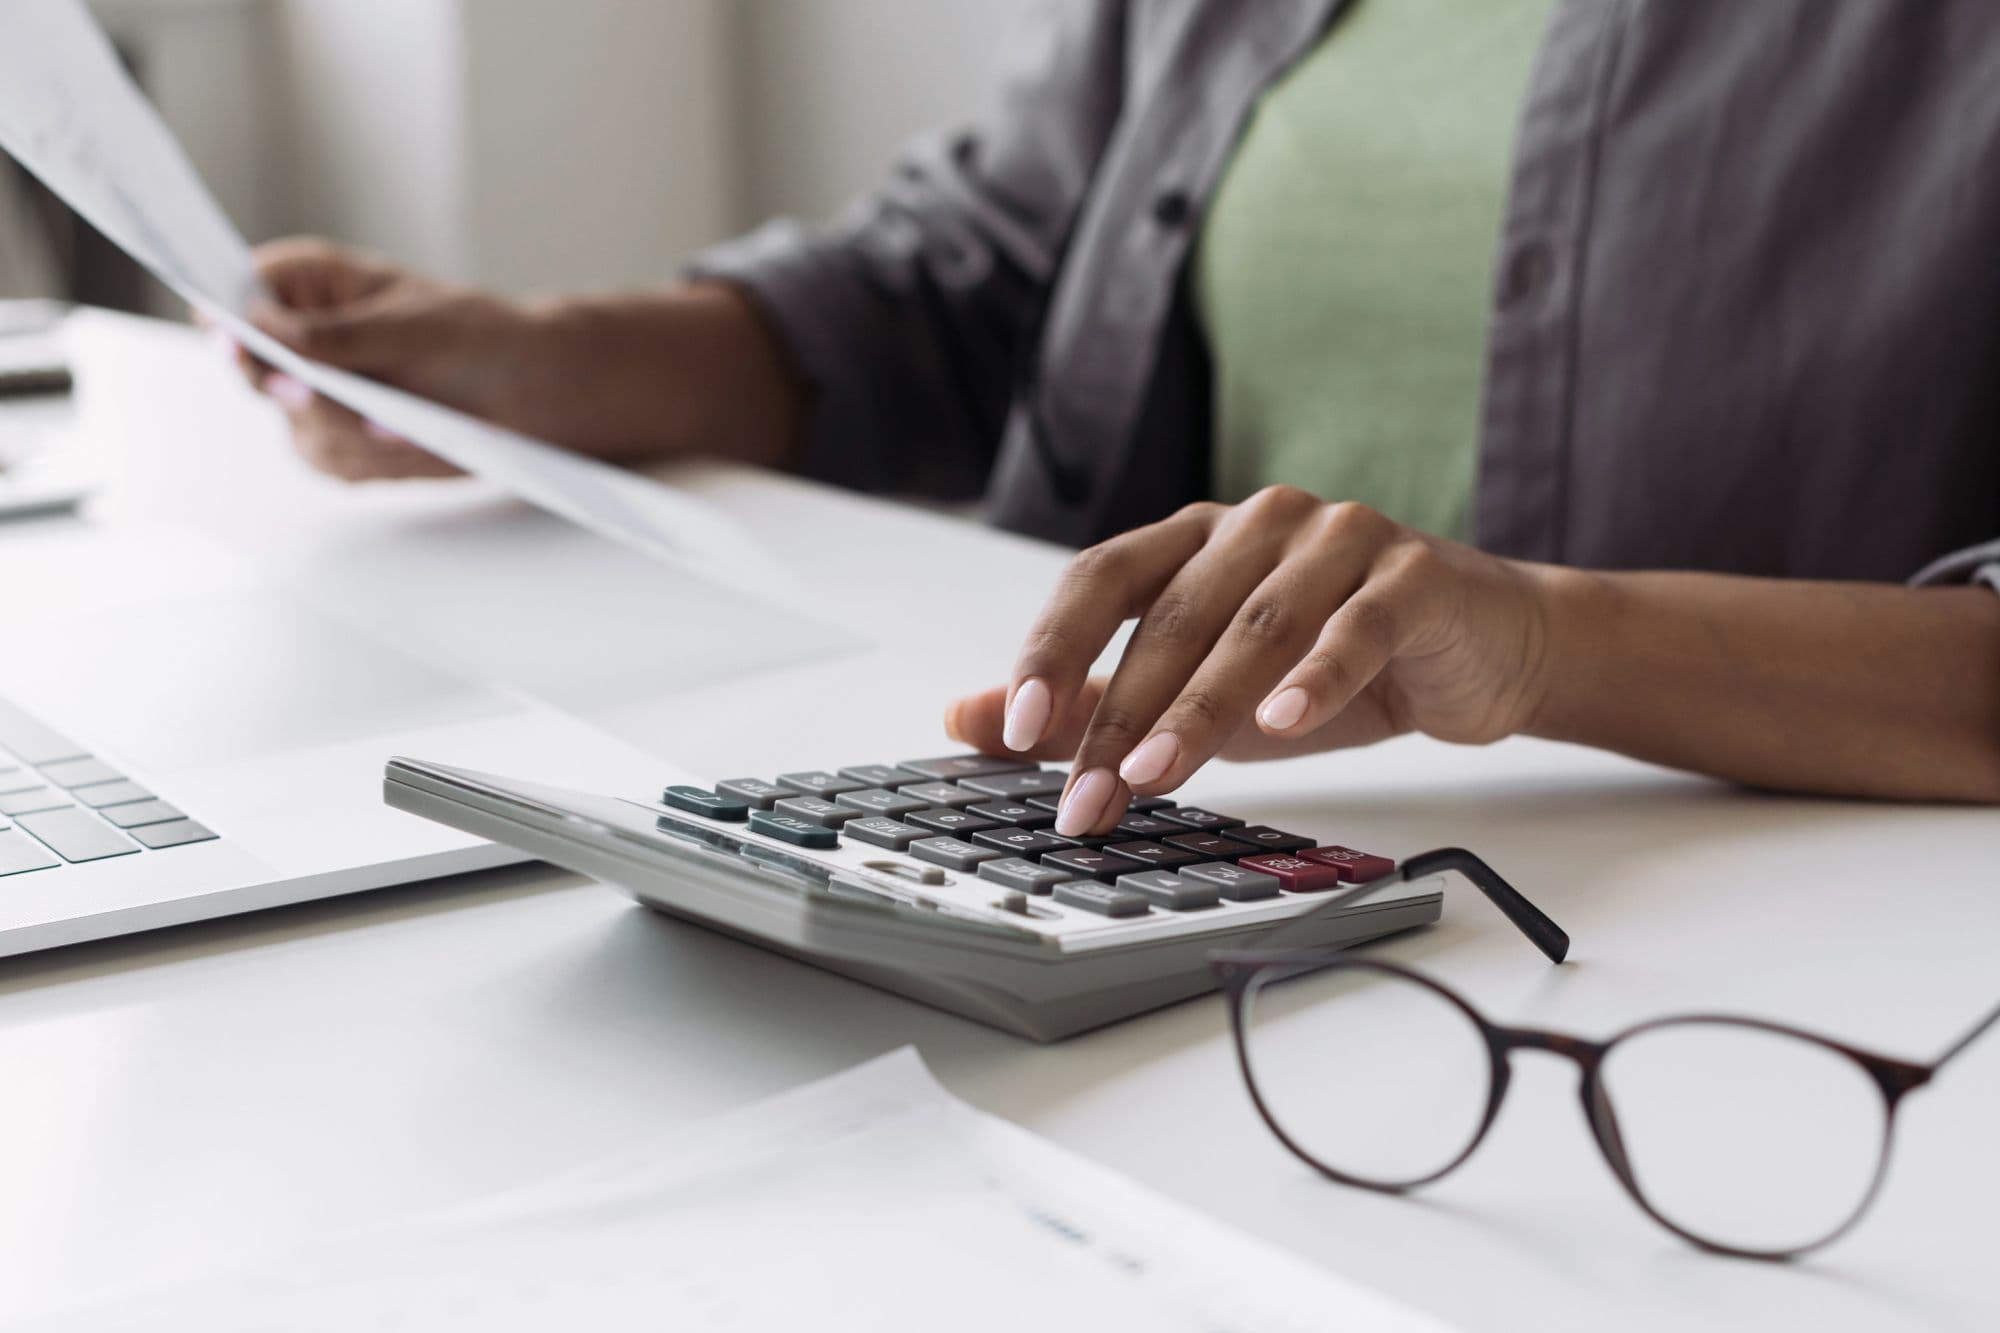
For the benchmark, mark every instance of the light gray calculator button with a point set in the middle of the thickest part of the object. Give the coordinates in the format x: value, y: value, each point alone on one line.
x: 883, y: 831
x: 20, y: 853
x: 954, y: 766
x: 942, y: 793
x: 73, y: 773
x: 1015, y: 873
x: 753, y: 792
x: 1018, y: 786
x: 881, y: 775
x: 1163, y: 888
x: 951, y: 853
x: 77, y: 835
x: 1102, y: 899
x: 34, y: 798
x: 814, y: 810
x: 817, y: 782
x: 113, y: 793
x: 141, y: 812
x: 1233, y: 882
x: 174, y: 834
x: 879, y: 801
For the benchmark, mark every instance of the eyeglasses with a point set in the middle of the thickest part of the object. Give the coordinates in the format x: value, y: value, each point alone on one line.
x: 1745, y: 1137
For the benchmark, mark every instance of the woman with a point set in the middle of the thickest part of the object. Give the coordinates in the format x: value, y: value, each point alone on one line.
x: 1217, y: 294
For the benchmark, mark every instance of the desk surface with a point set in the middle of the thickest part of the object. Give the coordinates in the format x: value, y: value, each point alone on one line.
x: 195, y: 1098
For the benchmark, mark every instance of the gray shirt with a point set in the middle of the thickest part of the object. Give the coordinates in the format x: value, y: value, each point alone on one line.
x: 1746, y: 314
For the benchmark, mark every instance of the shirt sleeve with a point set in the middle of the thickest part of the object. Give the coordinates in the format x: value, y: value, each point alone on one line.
x: 1974, y: 564
x: 905, y: 318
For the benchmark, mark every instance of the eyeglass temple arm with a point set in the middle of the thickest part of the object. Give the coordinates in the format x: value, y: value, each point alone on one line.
x: 1979, y: 1030
x: 1550, y: 938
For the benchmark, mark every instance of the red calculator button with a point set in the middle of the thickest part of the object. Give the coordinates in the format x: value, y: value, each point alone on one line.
x: 1354, y: 867
x: 1297, y: 875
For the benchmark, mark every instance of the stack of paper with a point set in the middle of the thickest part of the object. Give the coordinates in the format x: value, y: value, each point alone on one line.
x: 872, y: 1200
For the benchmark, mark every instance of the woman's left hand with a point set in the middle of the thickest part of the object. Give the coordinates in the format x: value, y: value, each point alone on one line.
x: 1274, y: 627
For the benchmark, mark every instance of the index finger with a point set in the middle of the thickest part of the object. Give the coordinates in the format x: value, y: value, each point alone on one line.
x: 1101, y: 589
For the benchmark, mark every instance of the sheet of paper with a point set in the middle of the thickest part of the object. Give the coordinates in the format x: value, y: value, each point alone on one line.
x: 70, y: 114
x: 871, y: 1200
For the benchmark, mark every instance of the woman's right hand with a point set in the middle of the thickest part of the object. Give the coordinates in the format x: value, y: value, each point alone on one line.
x: 460, y: 347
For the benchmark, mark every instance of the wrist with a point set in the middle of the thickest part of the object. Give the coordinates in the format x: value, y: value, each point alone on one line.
x: 1580, y: 613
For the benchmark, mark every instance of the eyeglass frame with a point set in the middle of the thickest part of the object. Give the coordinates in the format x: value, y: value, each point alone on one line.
x: 1239, y: 969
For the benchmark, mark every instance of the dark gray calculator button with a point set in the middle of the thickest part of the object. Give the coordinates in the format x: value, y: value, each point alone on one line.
x: 817, y: 782
x: 1145, y: 826
x: 27, y: 802
x: 883, y: 831
x: 753, y: 792
x: 1026, y: 876
x: 1267, y: 839
x: 1163, y: 888
x: 1156, y: 854
x: 176, y: 834
x: 790, y: 828
x: 73, y: 773
x: 1210, y: 846
x: 31, y: 742
x: 1234, y: 882
x: 881, y: 775
x: 954, y: 766
x: 814, y: 810
x: 77, y: 835
x: 942, y: 793
x: 1009, y: 812
x: 1021, y: 841
x: 142, y: 812
x: 1100, y: 898
x: 113, y: 793
x: 1052, y: 804
x: 1145, y: 805
x: 951, y: 853
x: 1019, y: 786
x: 20, y: 853
x: 951, y: 821
x: 1193, y: 817
x: 695, y: 801
x: 1089, y: 863
x: 879, y: 801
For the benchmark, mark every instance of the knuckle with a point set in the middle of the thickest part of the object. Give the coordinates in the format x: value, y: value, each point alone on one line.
x: 1265, y: 620
x: 1350, y: 520
x: 1117, y: 725
x: 1202, y: 512
x: 1415, y: 560
x: 1200, y: 708
x: 1372, y: 619
x: 1103, y: 563
x: 1327, y: 672
x: 1047, y: 644
x: 1173, y: 616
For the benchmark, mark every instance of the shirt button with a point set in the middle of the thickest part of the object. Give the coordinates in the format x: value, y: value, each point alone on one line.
x: 1172, y: 208
x: 1528, y: 270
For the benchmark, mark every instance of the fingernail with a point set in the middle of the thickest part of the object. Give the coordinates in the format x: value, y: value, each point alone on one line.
x: 1150, y: 762
x: 377, y: 431
x: 1284, y: 709
x: 295, y: 394
x: 1027, y: 715
x: 1084, y: 805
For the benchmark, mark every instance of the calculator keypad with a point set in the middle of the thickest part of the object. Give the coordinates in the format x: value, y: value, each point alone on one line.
x: 992, y: 817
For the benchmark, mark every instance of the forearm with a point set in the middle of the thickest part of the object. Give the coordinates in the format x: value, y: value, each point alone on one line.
x: 1852, y: 689
x: 693, y: 370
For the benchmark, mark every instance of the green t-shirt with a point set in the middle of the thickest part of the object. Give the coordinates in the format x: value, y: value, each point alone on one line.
x: 1343, y: 273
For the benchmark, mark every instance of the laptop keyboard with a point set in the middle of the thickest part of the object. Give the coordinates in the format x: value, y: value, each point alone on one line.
x: 60, y: 805
x: 991, y: 818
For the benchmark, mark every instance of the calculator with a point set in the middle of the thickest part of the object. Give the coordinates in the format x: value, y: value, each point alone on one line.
x: 943, y: 880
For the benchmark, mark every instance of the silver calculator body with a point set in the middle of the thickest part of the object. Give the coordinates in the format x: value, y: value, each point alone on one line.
x: 1029, y: 966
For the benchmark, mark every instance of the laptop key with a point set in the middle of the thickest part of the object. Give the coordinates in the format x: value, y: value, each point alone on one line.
x: 144, y: 812
x: 112, y: 793
x: 1021, y: 841
x: 1016, y: 873
x: 792, y: 829
x: 1233, y: 881
x: 891, y: 776
x: 879, y: 801
x: 943, y: 793
x: 77, y: 835
x: 73, y: 773
x: 27, y: 802
x: 814, y: 810
x: 1019, y: 786
x: 952, y: 767
x: 1008, y: 812
x: 694, y: 800
x: 940, y: 820
x: 177, y: 834
x: 753, y: 792
x: 1163, y: 888
x: 882, y: 831
x: 951, y: 853
x: 1101, y: 899
x: 20, y: 853
x: 817, y: 782
x: 1269, y: 839
x: 31, y: 742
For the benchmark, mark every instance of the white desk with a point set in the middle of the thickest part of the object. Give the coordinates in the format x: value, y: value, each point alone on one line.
x: 199, y: 1097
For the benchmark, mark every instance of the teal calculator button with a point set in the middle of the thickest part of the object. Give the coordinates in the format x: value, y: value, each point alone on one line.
x: 792, y: 829
x: 696, y: 801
